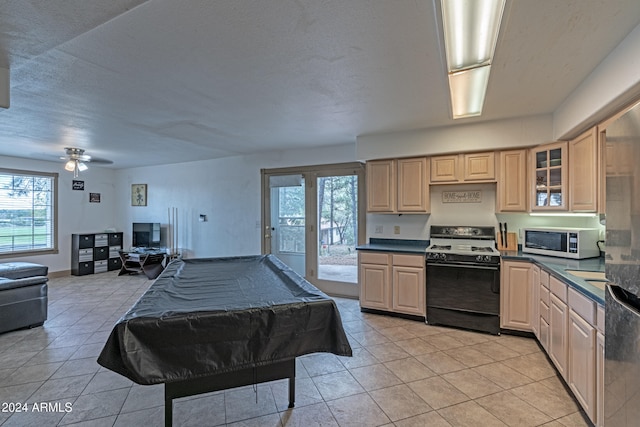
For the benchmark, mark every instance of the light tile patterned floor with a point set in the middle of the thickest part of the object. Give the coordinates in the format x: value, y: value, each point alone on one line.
x: 403, y: 373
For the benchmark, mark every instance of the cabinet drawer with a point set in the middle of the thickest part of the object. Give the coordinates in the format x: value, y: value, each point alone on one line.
x: 600, y: 318
x: 100, y: 253
x: 544, y: 278
x: 101, y: 240
x: 582, y: 305
x: 114, y: 251
x: 558, y: 288
x: 408, y: 260
x: 115, y: 264
x: 100, y: 266
x: 115, y: 239
x: 544, y: 311
x: 374, y: 258
x: 85, y: 241
x: 544, y: 295
x: 85, y: 255
x: 85, y: 268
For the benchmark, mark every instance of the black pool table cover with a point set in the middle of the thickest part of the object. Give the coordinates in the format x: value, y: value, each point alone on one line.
x: 207, y: 316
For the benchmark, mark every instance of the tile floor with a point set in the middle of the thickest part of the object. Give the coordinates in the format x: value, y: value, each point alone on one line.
x: 403, y: 373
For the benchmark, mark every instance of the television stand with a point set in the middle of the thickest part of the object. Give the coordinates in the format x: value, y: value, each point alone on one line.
x: 150, y: 263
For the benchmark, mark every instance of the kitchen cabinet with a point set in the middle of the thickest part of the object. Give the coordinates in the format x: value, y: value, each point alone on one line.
x: 381, y: 186
x: 398, y: 185
x: 516, y: 296
x: 95, y: 253
x: 408, y: 294
x: 599, y: 421
x: 558, y: 326
x: 549, y: 177
x: 543, y: 310
x: 393, y: 282
x: 583, y: 172
x: 535, y: 300
x: 581, y: 372
x: 465, y: 167
x: 413, y: 188
x: 375, y: 280
x: 512, y: 182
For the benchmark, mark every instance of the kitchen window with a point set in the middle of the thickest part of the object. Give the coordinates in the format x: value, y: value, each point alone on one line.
x: 28, y: 220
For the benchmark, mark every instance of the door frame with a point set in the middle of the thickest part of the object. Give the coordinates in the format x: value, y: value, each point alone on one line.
x: 310, y: 174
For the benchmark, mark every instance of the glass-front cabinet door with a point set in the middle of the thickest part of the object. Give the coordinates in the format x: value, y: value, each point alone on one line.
x: 549, y: 177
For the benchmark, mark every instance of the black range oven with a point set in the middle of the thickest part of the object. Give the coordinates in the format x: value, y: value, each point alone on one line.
x: 463, y: 278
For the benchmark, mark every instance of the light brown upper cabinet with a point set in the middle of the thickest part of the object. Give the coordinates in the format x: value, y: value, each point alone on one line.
x: 512, y: 181
x: 467, y: 167
x: 398, y: 185
x: 381, y: 186
x: 583, y: 172
x: 549, y: 177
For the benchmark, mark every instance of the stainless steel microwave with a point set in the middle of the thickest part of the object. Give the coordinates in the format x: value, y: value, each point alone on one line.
x: 576, y: 243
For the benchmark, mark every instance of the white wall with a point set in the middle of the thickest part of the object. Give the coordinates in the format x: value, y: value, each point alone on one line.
x: 226, y: 190
x: 75, y: 213
x: 499, y: 134
x: 612, y: 85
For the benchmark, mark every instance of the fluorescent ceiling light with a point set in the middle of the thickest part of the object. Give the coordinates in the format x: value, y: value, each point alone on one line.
x: 471, y: 30
x: 584, y: 214
x: 468, y: 89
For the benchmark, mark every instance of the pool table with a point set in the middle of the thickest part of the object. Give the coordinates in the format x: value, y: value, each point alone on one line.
x: 213, y: 323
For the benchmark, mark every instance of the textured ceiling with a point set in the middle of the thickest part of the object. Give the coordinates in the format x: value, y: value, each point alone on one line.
x: 165, y: 81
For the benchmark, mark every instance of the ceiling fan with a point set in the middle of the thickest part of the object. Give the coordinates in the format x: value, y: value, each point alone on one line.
x: 77, y: 160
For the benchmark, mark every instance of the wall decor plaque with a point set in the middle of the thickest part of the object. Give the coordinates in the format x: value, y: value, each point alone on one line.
x: 94, y: 197
x: 471, y: 196
x: 77, y: 185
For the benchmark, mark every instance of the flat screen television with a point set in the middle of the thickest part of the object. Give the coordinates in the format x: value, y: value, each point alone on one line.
x: 146, y: 234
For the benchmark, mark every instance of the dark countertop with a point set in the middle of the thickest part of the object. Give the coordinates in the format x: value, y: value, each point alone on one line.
x: 395, y: 245
x: 557, y: 266
x: 553, y: 265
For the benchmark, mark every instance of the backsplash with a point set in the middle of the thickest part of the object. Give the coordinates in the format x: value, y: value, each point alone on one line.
x: 482, y: 213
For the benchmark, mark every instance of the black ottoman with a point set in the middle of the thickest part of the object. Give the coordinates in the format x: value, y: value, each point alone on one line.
x: 23, y: 295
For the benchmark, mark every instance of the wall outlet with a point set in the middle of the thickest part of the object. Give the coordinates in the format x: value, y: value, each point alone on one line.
x: 379, y: 229
x: 396, y: 229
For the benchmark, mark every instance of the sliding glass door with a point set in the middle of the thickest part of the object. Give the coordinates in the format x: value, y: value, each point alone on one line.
x: 313, y: 221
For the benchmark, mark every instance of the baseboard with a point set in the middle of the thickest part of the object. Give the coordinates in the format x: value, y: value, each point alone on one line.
x: 58, y: 274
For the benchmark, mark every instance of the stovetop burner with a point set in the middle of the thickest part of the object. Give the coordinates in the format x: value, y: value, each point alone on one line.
x: 440, y: 247
x: 481, y: 249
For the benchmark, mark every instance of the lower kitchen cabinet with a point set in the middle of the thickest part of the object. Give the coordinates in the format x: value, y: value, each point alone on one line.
x: 568, y: 325
x: 408, y: 294
x: 599, y: 421
x: 392, y: 282
x: 516, y: 296
x: 375, y: 281
x: 558, y: 325
x: 582, y: 362
x: 543, y: 310
x: 535, y: 300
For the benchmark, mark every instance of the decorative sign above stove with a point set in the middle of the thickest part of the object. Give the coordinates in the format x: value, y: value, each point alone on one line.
x: 472, y: 196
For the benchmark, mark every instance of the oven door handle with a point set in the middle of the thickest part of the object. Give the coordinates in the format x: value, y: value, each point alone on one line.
x: 472, y: 266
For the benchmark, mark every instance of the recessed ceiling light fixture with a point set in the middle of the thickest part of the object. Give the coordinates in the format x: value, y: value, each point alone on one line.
x: 470, y: 35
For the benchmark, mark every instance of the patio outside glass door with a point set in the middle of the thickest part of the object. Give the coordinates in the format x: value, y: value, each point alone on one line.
x: 338, y: 228
x: 287, y: 193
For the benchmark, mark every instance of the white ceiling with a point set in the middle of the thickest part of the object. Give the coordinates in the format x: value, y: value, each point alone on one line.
x: 164, y: 81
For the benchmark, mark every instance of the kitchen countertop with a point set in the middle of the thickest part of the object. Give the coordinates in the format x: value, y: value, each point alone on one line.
x: 558, y: 266
x: 417, y: 247
x: 555, y: 266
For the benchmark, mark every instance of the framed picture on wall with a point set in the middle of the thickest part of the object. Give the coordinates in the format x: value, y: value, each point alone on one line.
x: 138, y: 194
